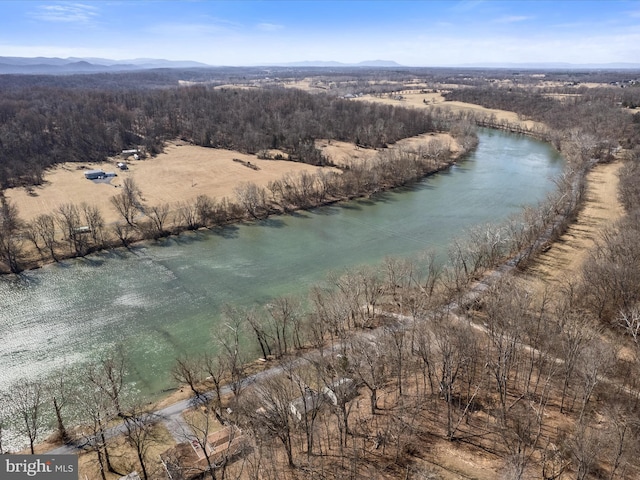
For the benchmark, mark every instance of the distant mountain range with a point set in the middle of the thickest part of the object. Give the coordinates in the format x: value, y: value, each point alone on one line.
x: 64, y: 66
x: 46, y: 65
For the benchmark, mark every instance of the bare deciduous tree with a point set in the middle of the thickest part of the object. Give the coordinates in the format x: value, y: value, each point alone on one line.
x: 141, y: 435
x: 96, y: 410
x: 629, y: 322
x: 128, y: 202
x: 216, y: 367
x: 258, y: 325
x: 285, y: 319
x: 423, y: 347
x: 27, y: 410
x: 367, y: 362
x: 158, y: 215
x: 95, y: 222
x: 585, y: 444
x: 253, y: 199
x: 70, y: 221
x: 596, y: 361
x: 187, y: 215
x: 231, y: 354
x: 10, y: 242
x: 396, y: 344
x: 332, y: 314
x: 306, y: 406
x: 43, y: 228
x: 124, y: 233
x: 455, y: 348
x: 107, y: 375
x: 60, y: 392
x: 521, y: 436
x: 189, y: 370
x: 575, y: 332
x: 506, y: 306
x: 268, y: 413
x: 205, y: 208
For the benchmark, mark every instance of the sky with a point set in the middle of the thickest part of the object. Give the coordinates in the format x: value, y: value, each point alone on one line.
x: 244, y: 32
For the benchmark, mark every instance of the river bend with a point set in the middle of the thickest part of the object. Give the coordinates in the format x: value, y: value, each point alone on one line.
x: 159, y: 300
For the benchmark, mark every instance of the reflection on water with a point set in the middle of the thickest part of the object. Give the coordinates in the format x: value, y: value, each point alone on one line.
x: 162, y: 299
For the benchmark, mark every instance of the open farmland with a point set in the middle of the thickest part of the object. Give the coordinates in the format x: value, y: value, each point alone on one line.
x: 183, y: 172
x: 179, y: 174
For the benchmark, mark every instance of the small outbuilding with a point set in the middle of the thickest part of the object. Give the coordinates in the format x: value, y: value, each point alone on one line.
x: 81, y: 230
x: 306, y: 404
x: 188, y: 461
x: 94, y: 174
x: 128, y: 153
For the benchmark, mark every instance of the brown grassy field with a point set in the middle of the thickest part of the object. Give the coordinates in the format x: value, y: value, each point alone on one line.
x: 347, y: 154
x: 179, y: 174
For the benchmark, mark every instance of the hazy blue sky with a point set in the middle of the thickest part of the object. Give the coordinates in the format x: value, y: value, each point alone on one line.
x: 415, y: 33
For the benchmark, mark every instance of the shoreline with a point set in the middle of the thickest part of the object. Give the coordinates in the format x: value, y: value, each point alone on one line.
x: 505, y: 123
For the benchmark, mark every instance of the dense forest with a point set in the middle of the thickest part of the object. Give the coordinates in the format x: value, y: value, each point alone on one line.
x: 40, y: 126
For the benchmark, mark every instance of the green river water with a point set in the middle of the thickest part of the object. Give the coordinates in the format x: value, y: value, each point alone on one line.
x: 160, y: 300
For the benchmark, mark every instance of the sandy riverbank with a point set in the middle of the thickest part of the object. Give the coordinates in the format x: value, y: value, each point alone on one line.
x: 601, y: 209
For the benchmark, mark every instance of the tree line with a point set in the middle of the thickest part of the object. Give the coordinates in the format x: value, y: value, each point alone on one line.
x: 601, y: 129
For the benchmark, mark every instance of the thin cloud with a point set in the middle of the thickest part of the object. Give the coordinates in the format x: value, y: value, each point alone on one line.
x: 269, y: 27
x: 65, y: 13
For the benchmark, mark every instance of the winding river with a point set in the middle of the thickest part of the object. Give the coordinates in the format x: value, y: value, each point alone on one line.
x: 162, y: 299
